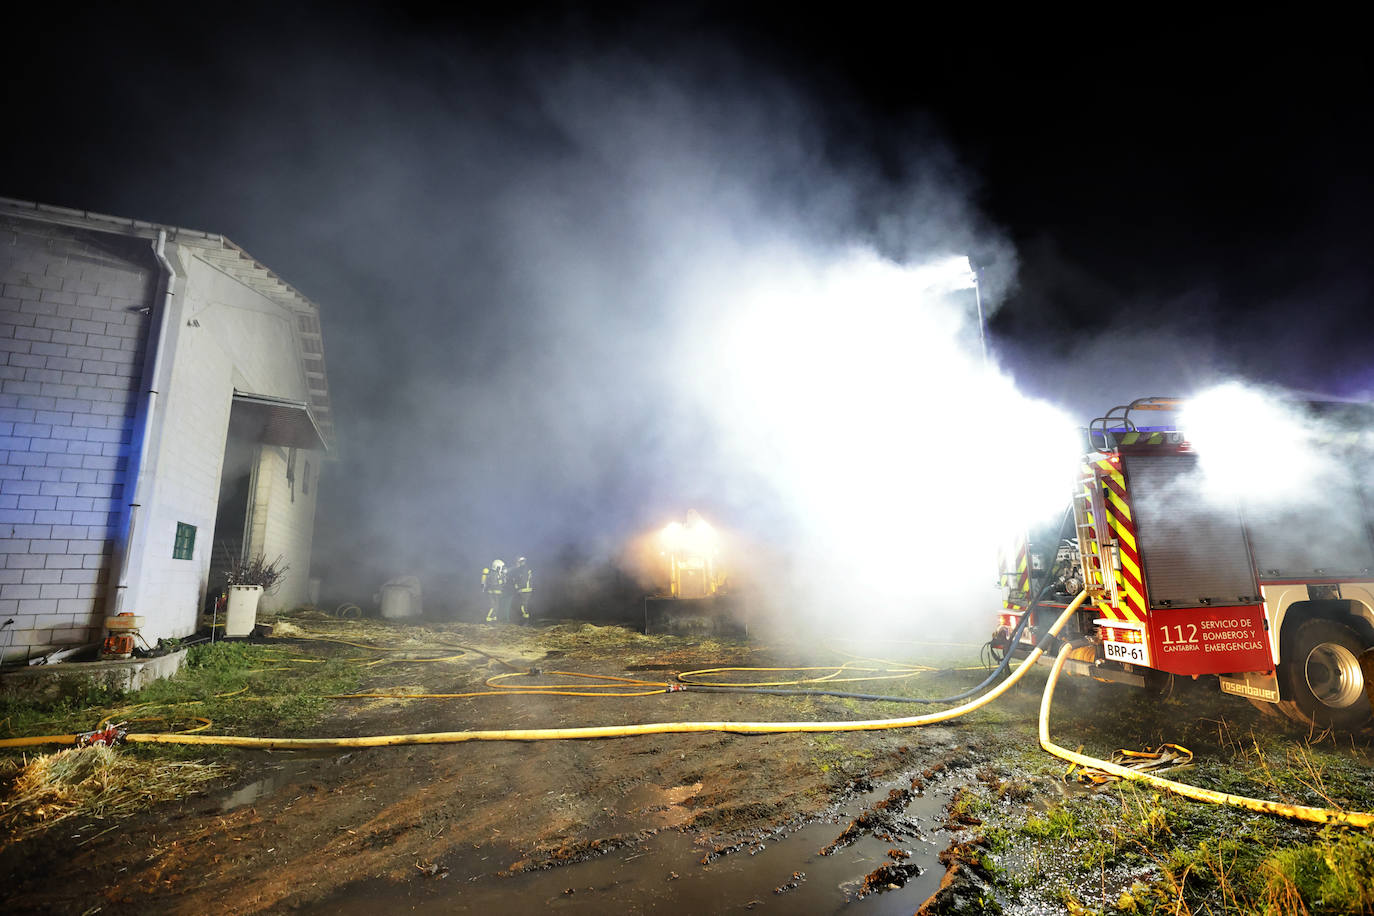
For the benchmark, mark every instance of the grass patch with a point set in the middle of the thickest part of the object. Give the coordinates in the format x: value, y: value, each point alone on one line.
x: 1307, y: 771
x: 1062, y: 822
x: 242, y: 688
x: 838, y: 754
x: 1336, y: 873
x: 239, y: 688
x: 248, y: 689
x: 969, y: 802
x: 1128, y: 849
x: 1132, y: 850
x: 1332, y: 874
x: 69, y: 712
x: 826, y: 752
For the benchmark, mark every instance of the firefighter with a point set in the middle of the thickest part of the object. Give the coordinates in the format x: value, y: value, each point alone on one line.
x: 522, y: 591
x: 494, y: 584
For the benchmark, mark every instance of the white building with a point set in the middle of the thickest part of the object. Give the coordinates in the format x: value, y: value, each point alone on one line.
x: 163, y: 409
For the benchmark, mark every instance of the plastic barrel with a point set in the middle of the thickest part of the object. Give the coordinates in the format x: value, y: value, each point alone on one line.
x: 397, y: 601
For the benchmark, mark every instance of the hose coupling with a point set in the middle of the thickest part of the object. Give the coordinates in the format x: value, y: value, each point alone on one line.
x: 109, y: 736
x: 674, y: 688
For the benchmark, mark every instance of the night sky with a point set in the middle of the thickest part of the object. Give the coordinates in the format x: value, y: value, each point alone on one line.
x: 1176, y: 206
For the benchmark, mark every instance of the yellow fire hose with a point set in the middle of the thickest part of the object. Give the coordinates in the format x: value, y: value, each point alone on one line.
x: 1300, y: 812
x: 1297, y: 812
x: 698, y: 677
x: 36, y: 740
x: 603, y: 731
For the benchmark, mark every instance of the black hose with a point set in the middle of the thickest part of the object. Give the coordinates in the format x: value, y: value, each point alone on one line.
x: 996, y: 673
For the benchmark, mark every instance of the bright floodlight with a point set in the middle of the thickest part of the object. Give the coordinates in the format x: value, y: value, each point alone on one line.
x: 946, y: 275
x: 695, y: 538
x: 671, y: 536
x: 857, y: 387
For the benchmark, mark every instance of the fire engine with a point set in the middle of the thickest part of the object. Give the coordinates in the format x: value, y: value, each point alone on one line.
x: 1273, y: 597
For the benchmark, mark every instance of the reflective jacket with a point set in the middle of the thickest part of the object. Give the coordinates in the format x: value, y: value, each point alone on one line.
x: 493, y: 581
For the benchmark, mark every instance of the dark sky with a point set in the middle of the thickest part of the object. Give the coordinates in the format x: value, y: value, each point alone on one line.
x: 1178, y: 205
x: 1194, y: 174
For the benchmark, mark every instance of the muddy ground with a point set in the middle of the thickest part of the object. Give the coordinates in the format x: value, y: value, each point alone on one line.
x: 870, y: 822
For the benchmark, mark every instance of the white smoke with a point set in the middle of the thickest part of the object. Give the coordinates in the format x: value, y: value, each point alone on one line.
x: 818, y: 385
x: 855, y: 387
x: 571, y: 291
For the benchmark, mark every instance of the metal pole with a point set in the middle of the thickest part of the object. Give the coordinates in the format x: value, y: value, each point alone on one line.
x: 982, y: 325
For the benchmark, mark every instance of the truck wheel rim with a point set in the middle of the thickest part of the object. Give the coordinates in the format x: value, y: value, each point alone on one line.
x: 1333, y: 675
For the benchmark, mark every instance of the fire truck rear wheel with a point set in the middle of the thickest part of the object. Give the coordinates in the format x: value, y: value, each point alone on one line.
x: 1322, y: 677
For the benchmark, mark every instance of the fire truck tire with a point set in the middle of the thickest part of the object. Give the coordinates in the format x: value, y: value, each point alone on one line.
x: 1322, y: 677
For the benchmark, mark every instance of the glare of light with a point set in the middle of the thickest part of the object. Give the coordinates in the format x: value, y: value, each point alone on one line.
x: 859, y: 390
x: 946, y: 275
x: 1250, y: 444
x: 695, y: 538
x: 671, y: 536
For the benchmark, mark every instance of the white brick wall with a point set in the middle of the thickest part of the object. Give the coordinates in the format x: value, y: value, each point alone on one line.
x: 74, y: 307
x: 241, y: 340
x: 71, y: 348
x: 284, y: 521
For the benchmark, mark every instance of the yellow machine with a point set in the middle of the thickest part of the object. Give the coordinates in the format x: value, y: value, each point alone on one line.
x: 697, y: 600
x: 693, y: 551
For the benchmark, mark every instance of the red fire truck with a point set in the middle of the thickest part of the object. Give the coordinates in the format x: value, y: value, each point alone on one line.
x: 1273, y: 597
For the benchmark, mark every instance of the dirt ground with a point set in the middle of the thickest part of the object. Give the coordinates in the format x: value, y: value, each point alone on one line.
x: 464, y: 826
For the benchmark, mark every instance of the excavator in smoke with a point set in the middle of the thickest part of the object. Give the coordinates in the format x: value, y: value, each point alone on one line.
x: 1267, y: 588
x: 698, y: 599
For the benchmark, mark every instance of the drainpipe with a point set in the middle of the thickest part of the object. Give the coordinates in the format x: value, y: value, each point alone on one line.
x: 142, y: 482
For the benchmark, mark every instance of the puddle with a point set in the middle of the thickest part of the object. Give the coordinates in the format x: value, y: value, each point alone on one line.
x: 253, y: 791
x: 664, y: 874
x: 289, y: 771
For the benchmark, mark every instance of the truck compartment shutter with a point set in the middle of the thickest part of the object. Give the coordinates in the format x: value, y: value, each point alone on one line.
x: 1192, y: 546
x: 1321, y: 532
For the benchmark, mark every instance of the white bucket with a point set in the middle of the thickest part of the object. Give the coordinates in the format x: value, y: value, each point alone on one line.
x: 241, y: 614
x: 397, y: 601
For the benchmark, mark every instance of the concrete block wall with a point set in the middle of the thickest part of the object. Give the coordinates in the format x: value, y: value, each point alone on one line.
x: 73, y: 328
x: 260, y: 340
x: 75, y: 308
x: 284, y: 520
x: 224, y: 335
x: 185, y: 461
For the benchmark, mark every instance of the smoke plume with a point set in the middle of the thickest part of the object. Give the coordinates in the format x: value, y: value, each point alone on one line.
x: 591, y: 295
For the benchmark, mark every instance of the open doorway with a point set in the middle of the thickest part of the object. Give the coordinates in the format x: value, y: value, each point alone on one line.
x: 260, y: 508
x: 235, y: 508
